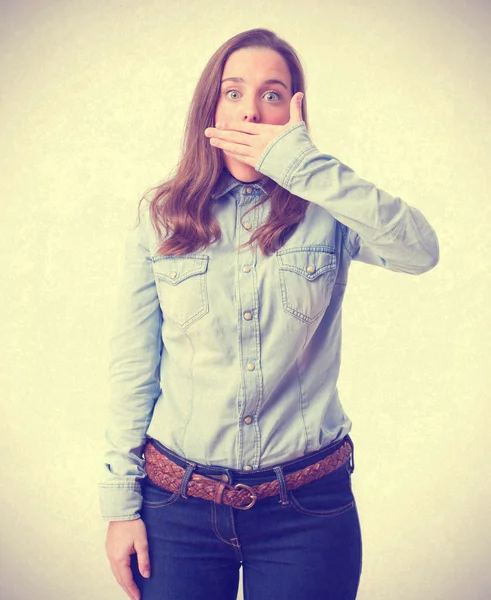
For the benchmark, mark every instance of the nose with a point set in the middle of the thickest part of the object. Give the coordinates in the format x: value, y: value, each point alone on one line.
x: 250, y: 116
x: 250, y: 112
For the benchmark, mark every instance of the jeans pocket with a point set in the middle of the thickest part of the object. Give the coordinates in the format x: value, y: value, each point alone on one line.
x: 328, y: 496
x: 157, y: 497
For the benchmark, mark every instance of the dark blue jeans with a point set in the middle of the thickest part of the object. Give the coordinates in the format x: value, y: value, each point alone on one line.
x: 306, y: 548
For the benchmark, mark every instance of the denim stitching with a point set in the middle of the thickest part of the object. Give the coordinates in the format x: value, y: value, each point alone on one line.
x: 284, y: 499
x: 326, y: 248
x: 360, y: 568
x: 323, y: 513
x: 345, y: 239
x: 241, y: 396
x: 319, y: 513
x: 201, y: 273
x: 328, y: 270
x: 168, y: 502
x: 129, y: 486
x: 185, y: 480
x: 214, y: 522
x: 205, y: 306
x: 236, y: 538
x: 257, y: 372
x: 273, y: 142
x: 301, y: 402
x: 310, y: 149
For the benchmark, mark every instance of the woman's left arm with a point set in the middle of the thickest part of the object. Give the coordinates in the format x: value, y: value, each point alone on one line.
x: 380, y: 229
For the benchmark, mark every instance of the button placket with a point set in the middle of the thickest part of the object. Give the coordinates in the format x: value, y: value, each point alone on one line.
x: 248, y: 224
x: 249, y: 351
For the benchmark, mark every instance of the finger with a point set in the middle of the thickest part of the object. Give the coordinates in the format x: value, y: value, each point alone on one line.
x: 229, y: 136
x: 296, y: 108
x: 243, y: 126
x: 143, y: 558
x: 122, y: 573
x: 239, y: 149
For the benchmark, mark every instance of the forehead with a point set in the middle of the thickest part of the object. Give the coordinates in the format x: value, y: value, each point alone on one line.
x: 257, y: 62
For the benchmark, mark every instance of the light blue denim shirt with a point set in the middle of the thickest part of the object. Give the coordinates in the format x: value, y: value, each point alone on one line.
x: 231, y: 358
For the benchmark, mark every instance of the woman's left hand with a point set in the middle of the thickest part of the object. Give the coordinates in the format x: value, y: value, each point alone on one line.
x: 247, y: 141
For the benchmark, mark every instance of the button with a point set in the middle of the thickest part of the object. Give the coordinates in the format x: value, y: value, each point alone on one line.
x: 247, y: 316
x: 248, y: 468
x: 173, y: 274
x: 224, y: 478
x: 311, y: 269
x: 251, y: 366
x: 246, y: 269
x: 248, y: 420
x: 249, y: 190
x: 247, y: 226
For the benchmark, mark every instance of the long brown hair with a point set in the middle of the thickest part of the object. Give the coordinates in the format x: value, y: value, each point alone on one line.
x: 182, y: 205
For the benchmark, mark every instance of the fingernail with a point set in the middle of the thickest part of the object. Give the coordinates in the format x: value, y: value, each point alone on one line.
x: 146, y: 573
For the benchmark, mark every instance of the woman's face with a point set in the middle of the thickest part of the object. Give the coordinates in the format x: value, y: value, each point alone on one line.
x: 253, y: 100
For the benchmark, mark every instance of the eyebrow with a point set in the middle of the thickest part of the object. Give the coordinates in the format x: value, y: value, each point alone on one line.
x: 267, y: 82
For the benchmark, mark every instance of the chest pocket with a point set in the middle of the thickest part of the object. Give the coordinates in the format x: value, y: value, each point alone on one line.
x: 306, y: 276
x: 181, y: 286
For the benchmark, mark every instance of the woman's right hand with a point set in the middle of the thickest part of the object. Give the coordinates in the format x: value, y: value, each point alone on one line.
x: 124, y: 538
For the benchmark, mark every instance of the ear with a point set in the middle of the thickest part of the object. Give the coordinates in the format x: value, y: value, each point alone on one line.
x: 296, y: 108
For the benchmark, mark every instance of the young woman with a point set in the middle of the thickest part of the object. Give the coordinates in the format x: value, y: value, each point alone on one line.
x: 228, y: 446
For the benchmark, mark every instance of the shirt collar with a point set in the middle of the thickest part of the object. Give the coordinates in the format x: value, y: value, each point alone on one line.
x: 227, y: 182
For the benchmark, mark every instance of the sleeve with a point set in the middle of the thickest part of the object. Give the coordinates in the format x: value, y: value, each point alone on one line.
x: 134, y: 371
x: 378, y: 228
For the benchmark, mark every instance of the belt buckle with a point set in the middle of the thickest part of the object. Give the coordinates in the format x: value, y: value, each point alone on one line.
x: 251, y: 492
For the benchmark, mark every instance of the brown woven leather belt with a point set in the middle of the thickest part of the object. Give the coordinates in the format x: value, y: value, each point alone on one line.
x: 168, y: 475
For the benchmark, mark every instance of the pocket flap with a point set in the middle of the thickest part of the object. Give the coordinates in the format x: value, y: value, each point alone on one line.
x: 308, y: 261
x: 175, y: 269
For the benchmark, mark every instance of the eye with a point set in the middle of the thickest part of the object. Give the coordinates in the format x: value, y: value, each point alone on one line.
x: 228, y: 91
x: 276, y: 93
x: 269, y: 92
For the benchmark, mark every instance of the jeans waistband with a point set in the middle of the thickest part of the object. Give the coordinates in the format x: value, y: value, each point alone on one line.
x: 259, y: 475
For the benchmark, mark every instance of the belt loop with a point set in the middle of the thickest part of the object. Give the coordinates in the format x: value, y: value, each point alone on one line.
x: 352, y: 455
x: 283, y: 488
x: 185, y: 480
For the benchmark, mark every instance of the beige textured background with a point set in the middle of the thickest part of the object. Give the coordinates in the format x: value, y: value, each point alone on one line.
x: 93, y: 100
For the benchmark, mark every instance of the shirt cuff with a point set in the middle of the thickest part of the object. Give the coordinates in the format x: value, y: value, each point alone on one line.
x: 276, y: 160
x: 121, y: 501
